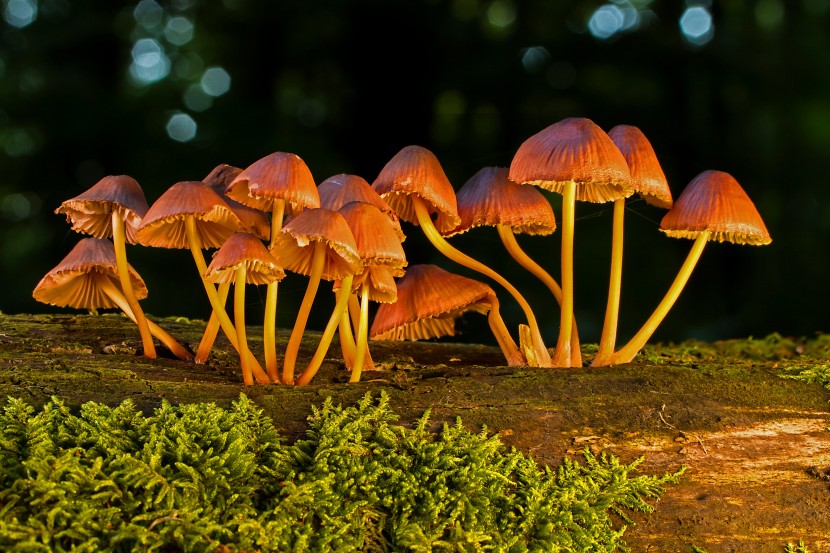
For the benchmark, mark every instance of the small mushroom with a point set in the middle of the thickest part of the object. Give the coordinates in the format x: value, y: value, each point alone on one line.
x: 338, y: 190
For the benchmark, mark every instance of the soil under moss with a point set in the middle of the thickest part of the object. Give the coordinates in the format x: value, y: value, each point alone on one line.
x: 753, y: 442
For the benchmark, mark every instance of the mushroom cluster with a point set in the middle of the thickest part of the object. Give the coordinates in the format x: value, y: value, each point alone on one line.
x: 271, y: 218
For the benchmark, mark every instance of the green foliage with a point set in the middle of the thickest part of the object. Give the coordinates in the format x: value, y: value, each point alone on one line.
x: 792, y: 548
x: 819, y: 374
x: 203, y: 478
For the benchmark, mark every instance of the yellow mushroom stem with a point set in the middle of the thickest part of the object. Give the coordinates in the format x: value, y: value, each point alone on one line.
x: 118, y: 240
x: 239, y: 320
x: 521, y: 257
x: 269, y: 337
x: 347, y: 345
x: 212, y: 327
x: 627, y: 352
x: 323, y: 347
x: 508, y: 347
x: 116, y: 295
x: 318, y: 262
x: 362, y: 333
x: 461, y: 258
x: 608, y: 339
x: 224, y: 321
x: 562, y: 354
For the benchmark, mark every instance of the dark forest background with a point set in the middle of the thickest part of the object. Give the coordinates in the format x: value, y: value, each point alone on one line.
x: 164, y: 91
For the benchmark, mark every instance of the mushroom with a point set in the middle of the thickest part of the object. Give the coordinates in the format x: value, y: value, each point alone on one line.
x: 89, y: 278
x: 575, y: 158
x: 415, y: 186
x: 490, y: 198
x: 317, y: 243
x: 113, y: 207
x: 712, y: 207
x: 338, y: 190
x: 430, y: 299
x: 191, y: 215
x: 649, y: 182
x: 269, y: 184
x: 243, y: 259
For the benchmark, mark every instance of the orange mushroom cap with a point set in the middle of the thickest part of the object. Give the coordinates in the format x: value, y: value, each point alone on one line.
x: 71, y: 282
x: 375, y: 238
x: 244, y: 249
x: 429, y: 301
x: 647, y: 176
x: 252, y: 220
x: 318, y: 225
x: 164, y: 224
x: 416, y: 170
x: 277, y: 176
x: 338, y: 190
x: 491, y: 198
x: 574, y: 149
x: 714, y: 202
x: 91, y: 211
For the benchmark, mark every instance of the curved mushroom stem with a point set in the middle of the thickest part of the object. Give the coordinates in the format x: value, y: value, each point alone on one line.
x: 318, y: 261
x: 508, y: 347
x: 627, y: 352
x: 562, y: 355
x: 325, y: 340
x: 461, y: 258
x: 269, y: 337
x: 120, y: 300
x: 212, y: 327
x: 362, y: 333
x: 521, y: 257
x: 347, y: 345
x: 608, y: 339
x: 118, y: 240
x: 239, y: 320
x: 224, y: 321
x: 354, y: 315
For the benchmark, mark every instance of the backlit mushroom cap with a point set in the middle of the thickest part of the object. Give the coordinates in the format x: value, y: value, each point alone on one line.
x: 490, y: 198
x: 416, y: 170
x: 377, y: 243
x: 381, y: 284
x: 71, y: 282
x: 429, y: 301
x: 244, y: 249
x: 647, y: 176
x: 252, y: 220
x: 318, y: 225
x: 91, y: 212
x: 338, y: 190
x: 164, y: 224
x: 715, y: 202
x: 277, y: 176
x: 574, y: 149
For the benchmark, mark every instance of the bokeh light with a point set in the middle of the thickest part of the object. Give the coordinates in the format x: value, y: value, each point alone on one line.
x: 178, y: 31
x: 181, y: 127
x: 148, y: 14
x: 20, y: 13
x: 150, y: 63
x: 696, y: 25
x: 215, y: 81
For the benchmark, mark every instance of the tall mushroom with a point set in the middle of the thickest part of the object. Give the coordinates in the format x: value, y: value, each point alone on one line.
x: 113, y: 207
x: 713, y: 206
x: 649, y: 182
x: 575, y: 158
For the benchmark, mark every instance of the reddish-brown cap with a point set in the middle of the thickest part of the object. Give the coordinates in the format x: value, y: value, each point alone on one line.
x: 71, y: 282
x: 647, y: 176
x: 243, y: 249
x: 253, y: 221
x: 277, y: 176
x: 338, y: 190
x: 318, y: 225
x: 490, y: 198
x: 416, y: 170
x: 377, y: 243
x: 91, y: 211
x: 380, y: 284
x: 164, y: 224
x: 714, y: 202
x: 429, y: 301
x: 574, y: 149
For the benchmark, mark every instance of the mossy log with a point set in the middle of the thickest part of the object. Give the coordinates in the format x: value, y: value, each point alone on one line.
x: 756, y: 445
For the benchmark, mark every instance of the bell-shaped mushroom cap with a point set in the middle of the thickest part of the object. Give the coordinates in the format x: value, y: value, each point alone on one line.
x: 647, y: 176
x: 338, y: 190
x: 318, y: 225
x: 574, y: 149
x: 377, y: 243
x: 416, y: 170
x: 715, y: 202
x: 253, y: 221
x: 381, y: 284
x: 244, y: 249
x: 277, y: 176
x: 91, y: 212
x: 71, y: 282
x: 429, y: 301
x: 164, y: 224
x: 490, y: 198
